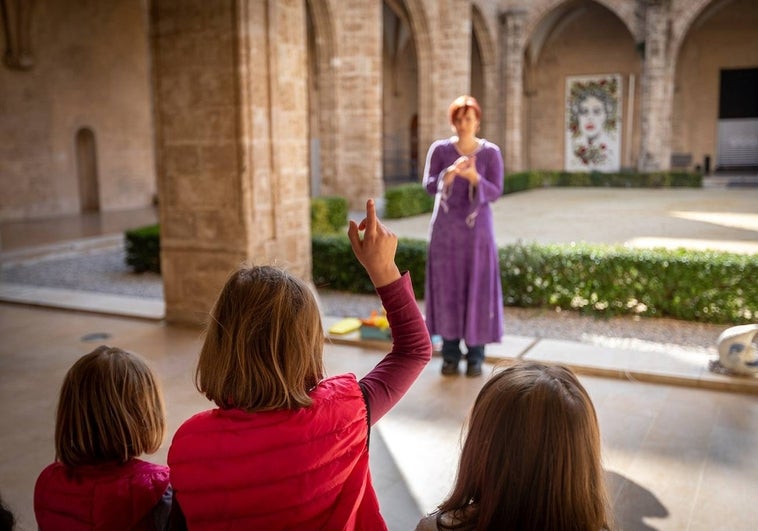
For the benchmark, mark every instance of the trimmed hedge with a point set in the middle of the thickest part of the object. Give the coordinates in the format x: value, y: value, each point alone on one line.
x: 406, y: 200
x: 328, y: 214
x: 335, y: 266
x: 592, y: 279
x: 705, y: 286
x: 411, y: 199
x: 143, y: 249
x: 516, y: 182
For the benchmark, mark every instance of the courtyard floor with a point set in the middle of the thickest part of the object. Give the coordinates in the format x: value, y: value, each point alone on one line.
x: 679, y: 453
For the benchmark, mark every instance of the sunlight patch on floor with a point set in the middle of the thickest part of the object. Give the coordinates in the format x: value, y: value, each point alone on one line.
x: 689, y: 355
x: 725, y: 219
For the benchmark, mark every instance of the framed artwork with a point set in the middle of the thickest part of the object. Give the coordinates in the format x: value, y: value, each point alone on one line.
x: 593, y: 123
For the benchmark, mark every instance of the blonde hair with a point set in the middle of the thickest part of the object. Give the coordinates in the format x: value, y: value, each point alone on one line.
x: 110, y: 409
x: 531, y: 460
x: 263, y: 345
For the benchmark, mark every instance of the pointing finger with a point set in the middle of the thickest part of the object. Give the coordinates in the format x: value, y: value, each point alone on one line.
x: 370, y: 216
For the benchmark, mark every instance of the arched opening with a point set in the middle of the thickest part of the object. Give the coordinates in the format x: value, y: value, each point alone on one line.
x: 566, y: 65
x: 477, y: 71
x: 313, y: 106
x: 484, y: 77
x: 413, y: 145
x: 86, y: 169
x: 715, y: 101
x: 399, y: 97
x: 321, y: 99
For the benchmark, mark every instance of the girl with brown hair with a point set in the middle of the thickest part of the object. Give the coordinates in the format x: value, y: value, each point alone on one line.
x: 287, y: 448
x: 531, y: 459
x: 110, y: 412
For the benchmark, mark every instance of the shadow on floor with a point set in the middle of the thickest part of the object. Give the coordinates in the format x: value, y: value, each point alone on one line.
x: 632, y: 503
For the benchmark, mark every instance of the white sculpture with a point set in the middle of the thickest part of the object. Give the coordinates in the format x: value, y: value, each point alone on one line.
x: 737, y: 352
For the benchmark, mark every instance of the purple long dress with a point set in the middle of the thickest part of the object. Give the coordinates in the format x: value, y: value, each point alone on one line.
x: 463, y: 296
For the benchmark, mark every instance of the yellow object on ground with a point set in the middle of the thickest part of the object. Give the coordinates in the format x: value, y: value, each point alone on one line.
x: 345, y: 326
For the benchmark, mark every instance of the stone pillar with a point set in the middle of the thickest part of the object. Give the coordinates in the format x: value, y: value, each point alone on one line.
x: 231, y: 126
x: 657, y: 97
x: 358, y: 114
x: 512, y: 27
x: 451, y: 60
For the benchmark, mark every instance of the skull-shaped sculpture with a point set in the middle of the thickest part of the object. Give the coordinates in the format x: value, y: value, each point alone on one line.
x: 737, y: 351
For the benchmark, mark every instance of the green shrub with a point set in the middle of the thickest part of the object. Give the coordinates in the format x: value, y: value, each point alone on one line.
x: 335, y: 266
x: 705, y: 286
x: 411, y: 256
x: 328, y: 214
x: 599, y: 280
x: 519, y: 181
x: 602, y: 280
x: 406, y: 200
x: 143, y: 249
x: 411, y: 199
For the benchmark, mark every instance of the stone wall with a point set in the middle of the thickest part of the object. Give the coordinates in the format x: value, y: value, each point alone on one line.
x: 90, y: 70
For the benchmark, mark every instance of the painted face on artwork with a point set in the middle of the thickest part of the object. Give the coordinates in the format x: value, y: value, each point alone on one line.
x: 466, y: 124
x: 591, y: 116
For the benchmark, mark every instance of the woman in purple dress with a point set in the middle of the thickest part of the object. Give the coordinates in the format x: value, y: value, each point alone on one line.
x: 463, y: 297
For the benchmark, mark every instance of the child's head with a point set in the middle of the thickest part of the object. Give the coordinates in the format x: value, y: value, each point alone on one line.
x: 531, y: 459
x: 264, y: 343
x: 110, y: 409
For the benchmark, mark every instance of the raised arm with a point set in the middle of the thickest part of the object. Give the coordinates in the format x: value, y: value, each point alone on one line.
x: 411, y: 347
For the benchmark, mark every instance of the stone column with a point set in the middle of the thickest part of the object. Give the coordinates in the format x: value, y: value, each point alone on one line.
x: 656, y: 103
x: 512, y: 27
x: 358, y: 112
x: 230, y: 107
x: 451, y: 60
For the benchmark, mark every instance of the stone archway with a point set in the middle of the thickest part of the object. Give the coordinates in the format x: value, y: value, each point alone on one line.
x: 399, y: 96
x: 483, y: 46
x: 322, y: 101
x: 420, y: 33
x: 623, y: 9
x: 713, y: 42
x: 557, y: 47
x: 686, y: 17
x: 86, y: 170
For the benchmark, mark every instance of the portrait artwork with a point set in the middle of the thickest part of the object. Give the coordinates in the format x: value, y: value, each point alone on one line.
x: 593, y: 123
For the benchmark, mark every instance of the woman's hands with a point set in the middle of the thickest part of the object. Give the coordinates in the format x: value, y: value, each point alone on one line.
x: 465, y: 166
x: 376, y: 251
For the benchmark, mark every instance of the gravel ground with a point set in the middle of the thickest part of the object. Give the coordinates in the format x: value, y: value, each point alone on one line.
x: 98, y: 270
x: 104, y: 271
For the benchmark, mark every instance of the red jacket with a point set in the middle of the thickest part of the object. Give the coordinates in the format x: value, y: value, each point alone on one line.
x: 99, y: 497
x: 285, y: 469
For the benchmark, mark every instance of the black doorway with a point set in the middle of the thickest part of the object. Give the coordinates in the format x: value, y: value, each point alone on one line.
x: 738, y: 120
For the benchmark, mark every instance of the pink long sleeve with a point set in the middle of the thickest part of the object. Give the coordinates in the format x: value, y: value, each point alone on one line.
x: 386, y: 384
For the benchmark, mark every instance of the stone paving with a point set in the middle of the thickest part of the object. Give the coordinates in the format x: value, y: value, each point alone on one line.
x: 677, y: 456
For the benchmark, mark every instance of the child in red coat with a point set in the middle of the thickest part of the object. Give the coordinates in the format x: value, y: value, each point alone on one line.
x: 110, y: 411
x: 287, y: 448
